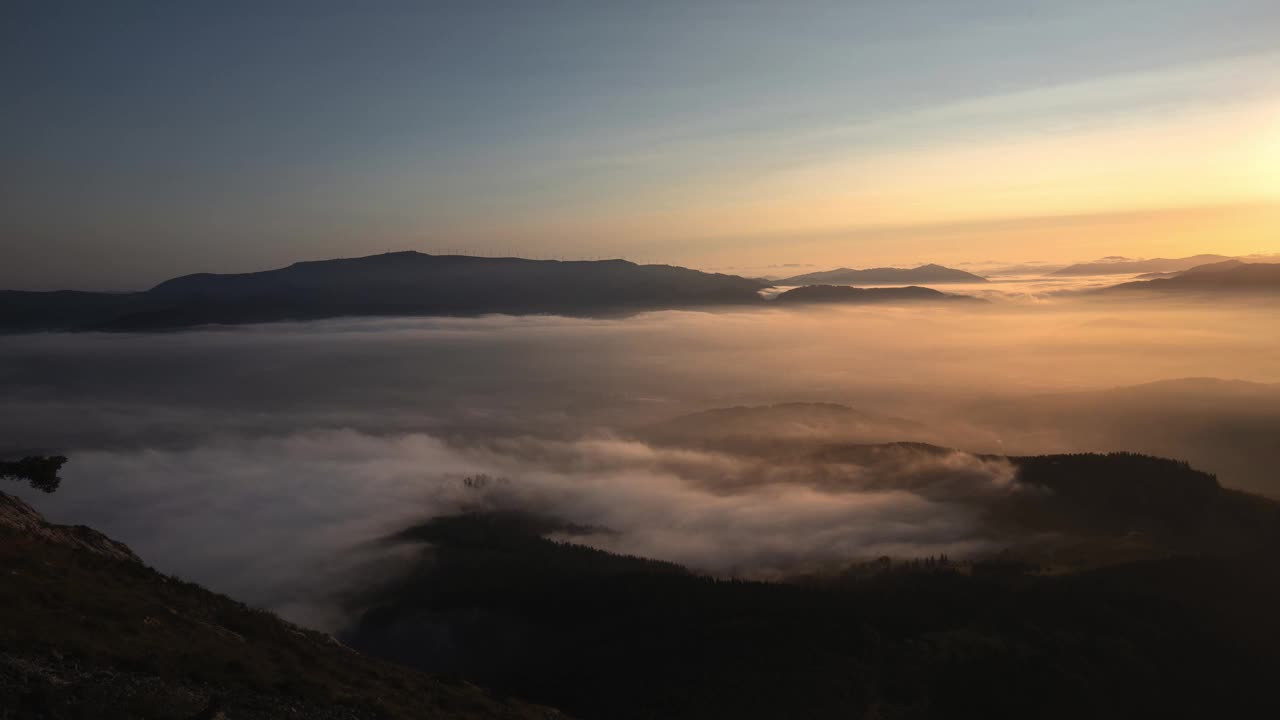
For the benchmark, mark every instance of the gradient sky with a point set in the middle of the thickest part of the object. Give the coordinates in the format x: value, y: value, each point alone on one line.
x: 141, y: 140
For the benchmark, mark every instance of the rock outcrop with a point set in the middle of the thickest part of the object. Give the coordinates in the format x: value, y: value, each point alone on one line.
x: 16, y: 514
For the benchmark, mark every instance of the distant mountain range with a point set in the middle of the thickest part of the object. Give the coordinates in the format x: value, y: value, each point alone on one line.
x: 1127, y: 266
x: 403, y: 283
x: 931, y: 274
x: 865, y: 296
x: 417, y: 284
x: 1221, y: 278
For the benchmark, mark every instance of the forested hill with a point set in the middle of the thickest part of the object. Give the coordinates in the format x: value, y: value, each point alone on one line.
x: 614, y: 637
x: 512, y: 601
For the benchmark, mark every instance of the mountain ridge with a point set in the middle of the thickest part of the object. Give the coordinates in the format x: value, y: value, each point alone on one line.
x: 931, y: 273
x: 859, y: 296
x: 391, y: 284
x: 1244, y: 279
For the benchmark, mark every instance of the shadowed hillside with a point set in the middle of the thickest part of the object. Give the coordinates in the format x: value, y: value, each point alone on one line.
x: 90, y: 632
x: 610, y: 636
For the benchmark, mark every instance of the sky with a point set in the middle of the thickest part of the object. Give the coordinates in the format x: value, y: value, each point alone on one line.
x: 143, y: 140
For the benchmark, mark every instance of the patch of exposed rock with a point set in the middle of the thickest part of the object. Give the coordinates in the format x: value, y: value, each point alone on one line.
x: 16, y: 514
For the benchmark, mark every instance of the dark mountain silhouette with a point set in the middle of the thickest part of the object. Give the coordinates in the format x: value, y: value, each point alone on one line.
x: 88, y: 631
x: 860, y: 296
x: 1242, y: 279
x: 393, y: 284
x: 931, y: 274
x: 1126, y: 266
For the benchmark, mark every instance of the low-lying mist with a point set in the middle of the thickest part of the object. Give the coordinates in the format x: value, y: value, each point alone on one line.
x: 71, y: 390
x: 266, y: 461
x: 285, y: 521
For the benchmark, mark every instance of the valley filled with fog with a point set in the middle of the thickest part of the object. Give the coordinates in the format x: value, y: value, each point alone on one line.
x: 266, y: 460
x: 622, y: 361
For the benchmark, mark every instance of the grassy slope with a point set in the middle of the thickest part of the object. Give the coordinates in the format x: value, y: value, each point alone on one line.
x: 87, y: 636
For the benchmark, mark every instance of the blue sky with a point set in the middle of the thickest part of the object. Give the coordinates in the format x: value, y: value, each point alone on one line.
x: 146, y: 139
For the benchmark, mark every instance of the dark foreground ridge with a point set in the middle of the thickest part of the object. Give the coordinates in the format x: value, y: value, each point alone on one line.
x: 393, y: 284
x: 88, y: 631
x: 1179, y: 622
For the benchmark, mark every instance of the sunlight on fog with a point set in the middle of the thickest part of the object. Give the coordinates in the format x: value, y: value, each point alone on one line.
x: 332, y: 433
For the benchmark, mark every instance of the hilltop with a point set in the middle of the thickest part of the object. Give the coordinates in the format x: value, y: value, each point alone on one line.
x: 930, y: 274
x: 867, y: 296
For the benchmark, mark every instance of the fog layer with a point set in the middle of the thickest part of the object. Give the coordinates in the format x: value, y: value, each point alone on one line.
x: 265, y: 460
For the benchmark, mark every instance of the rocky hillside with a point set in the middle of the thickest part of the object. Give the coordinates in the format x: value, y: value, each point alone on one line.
x: 90, y: 632
x: 18, y: 517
